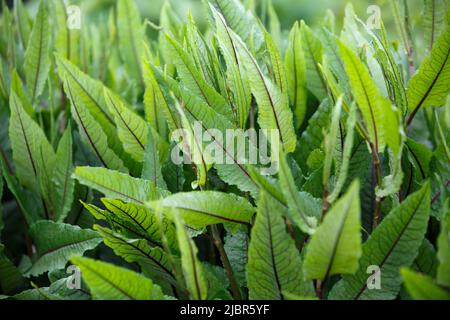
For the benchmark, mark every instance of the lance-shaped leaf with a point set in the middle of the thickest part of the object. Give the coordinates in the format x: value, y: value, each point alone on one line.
x: 433, y: 19
x: 131, y: 36
x: 92, y: 133
x: 116, y: 185
x: 299, y: 204
x: 431, y: 84
x: 192, y: 147
x: 157, y: 101
x: 153, y: 261
x: 443, y: 271
x: 193, y: 80
x: 274, y: 112
x: 23, y: 21
x: 335, y: 247
x: 345, y: 158
x: 56, y: 243
x: 296, y: 74
x: 192, y: 269
x: 237, y: 79
x: 29, y: 144
x: 393, y: 244
x: 88, y: 93
x: 200, y: 209
x: 380, y: 117
x: 132, y: 129
x: 422, y: 287
x: 233, y: 172
x: 64, y: 185
x: 242, y: 21
x: 152, y: 165
x: 67, y: 40
x: 108, y: 282
x: 273, y: 260
x: 140, y: 221
x: 312, y: 50
x: 37, y: 55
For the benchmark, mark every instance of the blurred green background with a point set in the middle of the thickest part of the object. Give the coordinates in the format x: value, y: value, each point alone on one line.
x: 312, y: 11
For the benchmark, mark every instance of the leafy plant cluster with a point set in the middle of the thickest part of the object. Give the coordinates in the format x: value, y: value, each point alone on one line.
x: 359, y: 208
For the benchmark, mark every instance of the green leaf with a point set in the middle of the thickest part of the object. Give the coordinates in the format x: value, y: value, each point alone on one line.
x: 312, y: 138
x: 152, y: 164
x: 273, y: 260
x: 242, y: 21
x: 116, y: 185
x: 64, y: 185
x: 430, y: 86
x: 380, y: 117
x: 37, y: 55
x: 335, y: 247
x: 153, y: 261
x: 274, y: 112
x: 139, y: 221
x: 192, y: 269
x: 88, y: 99
x: 312, y: 50
x: 132, y: 129
x: 237, y: 79
x: 422, y: 287
x: 393, y: 244
x: 193, y: 80
x: 296, y: 74
x: 204, y: 208
x: 93, y: 134
x: 434, y: 19
x: 57, y: 243
x: 67, y: 40
x: 346, y: 156
x: 108, y: 282
x: 131, y: 37
x: 23, y: 22
x: 299, y: 203
x: 29, y: 144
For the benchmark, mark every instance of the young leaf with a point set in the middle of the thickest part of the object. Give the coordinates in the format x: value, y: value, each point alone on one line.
x: 108, y: 282
x: 335, y: 247
x: 273, y: 260
x: 37, y: 55
x: 296, y: 75
x: 312, y: 50
x: 274, y: 112
x: 64, y: 185
x: 193, y: 80
x: 131, y: 37
x: 56, y: 243
x: 393, y: 244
